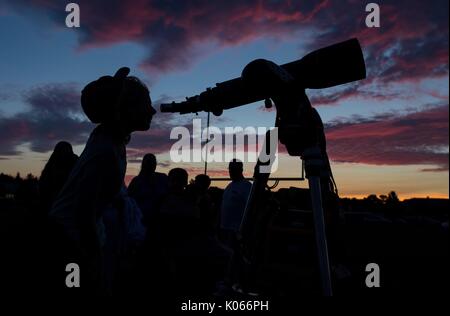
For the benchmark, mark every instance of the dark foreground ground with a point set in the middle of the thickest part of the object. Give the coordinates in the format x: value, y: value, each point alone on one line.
x: 408, y: 242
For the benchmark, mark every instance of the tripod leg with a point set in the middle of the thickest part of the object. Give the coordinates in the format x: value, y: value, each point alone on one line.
x: 319, y: 227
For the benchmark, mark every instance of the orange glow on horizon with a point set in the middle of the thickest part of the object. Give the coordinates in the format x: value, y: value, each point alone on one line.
x: 402, y: 197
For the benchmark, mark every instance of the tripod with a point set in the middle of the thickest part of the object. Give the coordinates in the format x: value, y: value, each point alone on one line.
x: 314, y: 165
x: 313, y: 153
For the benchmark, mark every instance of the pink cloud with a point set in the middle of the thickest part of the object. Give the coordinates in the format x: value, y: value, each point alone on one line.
x: 416, y: 138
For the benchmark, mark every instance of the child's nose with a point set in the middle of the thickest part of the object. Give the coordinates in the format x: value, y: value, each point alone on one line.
x: 152, y: 110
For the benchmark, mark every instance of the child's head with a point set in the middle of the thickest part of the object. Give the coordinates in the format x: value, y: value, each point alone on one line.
x: 121, y: 100
x: 202, y: 182
x: 178, y: 180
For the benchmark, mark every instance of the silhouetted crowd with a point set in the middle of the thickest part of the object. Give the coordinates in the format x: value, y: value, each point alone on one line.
x: 161, y: 230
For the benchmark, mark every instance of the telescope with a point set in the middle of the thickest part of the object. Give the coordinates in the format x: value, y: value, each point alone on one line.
x: 299, y: 127
x: 323, y: 68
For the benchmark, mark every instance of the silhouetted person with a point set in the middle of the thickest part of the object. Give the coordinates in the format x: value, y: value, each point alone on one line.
x: 55, y: 173
x: 233, y: 201
x: 204, y: 209
x: 202, y: 182
x: 177, y: 202
x: 120, y: 105
x: 212, y: 257
x: 178, y: 180
x: 191, y: 252
x: 148, y: 188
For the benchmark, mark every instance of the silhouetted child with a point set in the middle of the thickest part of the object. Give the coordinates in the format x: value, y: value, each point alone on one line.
x: 120, y: 105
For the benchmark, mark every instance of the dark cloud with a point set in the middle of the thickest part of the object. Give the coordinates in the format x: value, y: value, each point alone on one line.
x: 164, y: 164
x: 4, y: 96
x: 411, y: 43
x: 212, y: 172
x: 53, y: 115
x: 358, y: 90
x: 54, y: 99
x: 391, y: 139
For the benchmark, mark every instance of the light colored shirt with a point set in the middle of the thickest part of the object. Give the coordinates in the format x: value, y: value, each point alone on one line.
x: 233, y: 204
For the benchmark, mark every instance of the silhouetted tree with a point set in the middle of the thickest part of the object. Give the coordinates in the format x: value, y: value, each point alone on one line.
x: 392, y: 204
x: 392, y: 198
x: 372, y: 203
x: 383, y: 198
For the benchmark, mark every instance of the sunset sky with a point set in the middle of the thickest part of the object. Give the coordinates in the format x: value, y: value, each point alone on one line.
x: 387, y: 132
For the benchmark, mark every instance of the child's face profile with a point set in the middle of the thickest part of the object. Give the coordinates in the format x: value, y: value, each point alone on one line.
x: 138, y: 115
